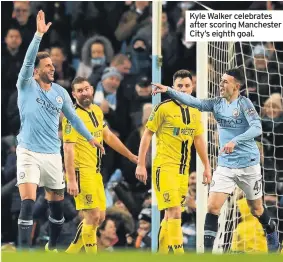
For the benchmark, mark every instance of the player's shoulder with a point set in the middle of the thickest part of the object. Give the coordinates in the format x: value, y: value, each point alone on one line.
x: 244, y: 99
x: 245, y: 102
x: 61, y: 91
x: 79, y: 110
x: 163, y: 105
x: 58, y: 88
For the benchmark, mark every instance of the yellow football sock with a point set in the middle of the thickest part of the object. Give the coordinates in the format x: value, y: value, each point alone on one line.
x: 163, y: 238
x: 89, y: 239
x: 175, y: 235
x: 77, y: 243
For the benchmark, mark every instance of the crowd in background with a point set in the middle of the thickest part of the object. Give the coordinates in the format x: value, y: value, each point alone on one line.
x: 110, y: 43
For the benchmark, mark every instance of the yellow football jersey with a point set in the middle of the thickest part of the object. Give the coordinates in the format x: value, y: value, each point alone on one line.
x: 85, y: 155
x: 175, y: 126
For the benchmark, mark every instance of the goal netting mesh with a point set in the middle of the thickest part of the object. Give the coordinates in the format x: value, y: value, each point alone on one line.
x: 261, y: 63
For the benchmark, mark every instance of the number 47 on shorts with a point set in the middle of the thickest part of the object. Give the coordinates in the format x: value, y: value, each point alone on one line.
x: 257, y: 187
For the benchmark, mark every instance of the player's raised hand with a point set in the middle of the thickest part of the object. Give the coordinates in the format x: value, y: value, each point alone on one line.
x: 95, y: 143
x: 158, y: 88
x: 72, y: 188
x: 41, y: 26
x: 206, y: 176
x: 228, y: 148
x: 141, y: 174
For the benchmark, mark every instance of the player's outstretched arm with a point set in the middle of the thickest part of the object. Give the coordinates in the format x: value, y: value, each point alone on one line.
x: 186, y: 99
x: 26, y: 71
x: 201, y: 149
x: 114, y: 142
x: 69, y: 160
x: 70, y: 113
x: 141, y: 173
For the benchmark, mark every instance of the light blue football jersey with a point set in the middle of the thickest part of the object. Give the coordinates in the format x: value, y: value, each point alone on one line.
x: 40, y: 110
x: 237, y: 122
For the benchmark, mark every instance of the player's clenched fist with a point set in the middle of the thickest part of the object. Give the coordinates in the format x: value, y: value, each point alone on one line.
x: 72, y: 188
x: 141, y: 173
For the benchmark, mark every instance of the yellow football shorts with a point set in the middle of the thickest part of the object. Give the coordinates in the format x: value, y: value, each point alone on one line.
x: 91, y: 190
x: 171, y: 188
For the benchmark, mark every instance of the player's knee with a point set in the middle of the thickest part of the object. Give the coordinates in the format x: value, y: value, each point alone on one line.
x: 54, y: 194
x: 174, y: 212
x: 213, y: 208
x: 92, y: 217
x: 27, y: 207
x: 56, y: 211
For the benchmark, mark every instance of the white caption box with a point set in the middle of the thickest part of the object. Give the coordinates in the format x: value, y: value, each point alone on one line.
x: 234, y: 26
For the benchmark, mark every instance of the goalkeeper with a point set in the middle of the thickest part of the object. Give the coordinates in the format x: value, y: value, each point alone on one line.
x: 238, y: 161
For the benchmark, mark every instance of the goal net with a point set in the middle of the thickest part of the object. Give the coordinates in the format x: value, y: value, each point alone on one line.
x: 261, y: 63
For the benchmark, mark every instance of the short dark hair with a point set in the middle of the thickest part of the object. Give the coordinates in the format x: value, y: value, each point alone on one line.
x: 40, y: 56
x: 13, y: 28
x: 238, y: 74
x: 78, y: 80
x: 182, y: 74
x: 103, y: 225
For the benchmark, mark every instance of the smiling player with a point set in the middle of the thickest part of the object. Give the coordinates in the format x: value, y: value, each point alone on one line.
x: 238, y: 162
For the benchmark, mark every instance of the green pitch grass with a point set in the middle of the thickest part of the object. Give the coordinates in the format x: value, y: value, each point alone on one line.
x: 135, y: 257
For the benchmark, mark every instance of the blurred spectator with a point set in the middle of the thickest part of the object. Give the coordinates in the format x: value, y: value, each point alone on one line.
x: 139, y: 51
x: 106, y: 97
x: 272, y: 125
x: 123, y: 221
x: 133, y: 142
x: 106, y: 235
x: 133, y: 20
x: 97, y: 53
x: 13, y: 114
x: 64, y: 73
x: 142, y: 237
x: 23, y: 19
x: 261, y: 77
x: 249, y: 235
x: 169, y: 46
x: 105, y: 94
x: 120, y: 62
x: 11, y: 61
x: 123, y: 64
x: 141, y: 96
